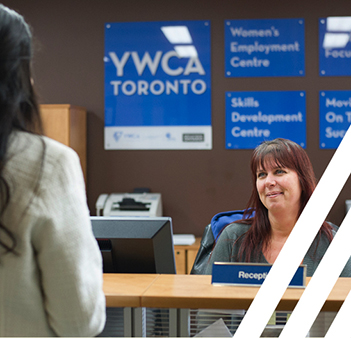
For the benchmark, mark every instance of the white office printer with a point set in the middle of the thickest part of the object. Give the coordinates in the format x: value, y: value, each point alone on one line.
x: 129, y: 204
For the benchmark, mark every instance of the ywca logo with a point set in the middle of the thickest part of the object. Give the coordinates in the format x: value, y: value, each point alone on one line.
x: 117, y: 135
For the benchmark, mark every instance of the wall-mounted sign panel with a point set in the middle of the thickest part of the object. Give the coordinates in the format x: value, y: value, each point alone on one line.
x: 254, y: 117
x: 334, y: 117
x: 158, y: 85
x: 265, y: 47
x: 335, y: 46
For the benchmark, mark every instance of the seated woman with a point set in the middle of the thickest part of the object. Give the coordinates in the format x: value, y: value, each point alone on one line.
x: 283, y: 181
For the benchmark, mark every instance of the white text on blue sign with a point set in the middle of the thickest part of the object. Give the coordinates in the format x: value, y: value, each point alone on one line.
x: 335, y: 46
x: 335, y: 117
x: 264, y: 47
x: 254, y: 117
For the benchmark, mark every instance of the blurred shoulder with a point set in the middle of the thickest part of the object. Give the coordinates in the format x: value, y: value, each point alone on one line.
x: 32, y: 146
x: 30, y: 156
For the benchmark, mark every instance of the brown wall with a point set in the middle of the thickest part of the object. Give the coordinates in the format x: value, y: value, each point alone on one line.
x: 195, y: 185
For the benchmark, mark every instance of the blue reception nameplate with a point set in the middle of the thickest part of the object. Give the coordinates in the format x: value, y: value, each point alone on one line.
x: 250, y: 274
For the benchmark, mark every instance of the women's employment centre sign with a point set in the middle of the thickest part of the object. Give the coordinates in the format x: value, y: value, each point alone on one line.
x: 334, y: 117
x: 158, y: 85
x: 335, y: 46
x: 265, y: 47
x: 254, y: 117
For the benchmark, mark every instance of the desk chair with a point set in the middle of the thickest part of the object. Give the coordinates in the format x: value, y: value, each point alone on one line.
x: 200, y: 319
x: 210, y: 236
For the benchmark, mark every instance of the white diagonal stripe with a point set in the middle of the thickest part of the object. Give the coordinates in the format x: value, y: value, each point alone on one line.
x: 341, y: 326
x: 321, y: 283
x: 298, y: 242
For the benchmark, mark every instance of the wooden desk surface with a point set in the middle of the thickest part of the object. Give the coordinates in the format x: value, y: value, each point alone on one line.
x: 194, y: 291
x: 191, y: 291
x: 125, y: 290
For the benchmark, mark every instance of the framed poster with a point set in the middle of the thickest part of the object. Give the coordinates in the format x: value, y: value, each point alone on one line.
x: 158, y: 85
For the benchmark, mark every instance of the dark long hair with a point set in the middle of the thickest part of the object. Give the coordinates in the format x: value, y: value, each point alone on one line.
x: 19, y: 109
x: 283, y: 153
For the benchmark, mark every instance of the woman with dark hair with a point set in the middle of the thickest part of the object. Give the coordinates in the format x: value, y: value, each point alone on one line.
x: 50, y: 264
x: 283, y: 181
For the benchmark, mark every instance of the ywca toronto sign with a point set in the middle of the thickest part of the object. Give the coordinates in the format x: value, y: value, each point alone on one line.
x: 158, y: 85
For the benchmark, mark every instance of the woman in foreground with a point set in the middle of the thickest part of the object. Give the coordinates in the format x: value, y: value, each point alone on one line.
x: 50, y: 264
x: 283, y: 181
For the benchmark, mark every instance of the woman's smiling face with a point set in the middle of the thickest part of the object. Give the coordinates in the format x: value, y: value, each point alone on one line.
x: 279, y: 188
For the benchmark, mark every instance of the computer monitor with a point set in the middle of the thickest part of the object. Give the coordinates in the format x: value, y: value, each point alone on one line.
x: 135, y: 244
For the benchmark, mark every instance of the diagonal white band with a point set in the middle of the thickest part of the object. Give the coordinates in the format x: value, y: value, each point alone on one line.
x: 321, y: 283
x: 298, y: 242
x: 341, y: 323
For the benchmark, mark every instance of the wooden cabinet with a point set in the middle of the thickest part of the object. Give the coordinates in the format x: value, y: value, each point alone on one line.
x: 67, y: 124
x: 185, y: 256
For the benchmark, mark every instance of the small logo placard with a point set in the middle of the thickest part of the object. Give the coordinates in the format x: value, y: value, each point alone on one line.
x: 250, y: 274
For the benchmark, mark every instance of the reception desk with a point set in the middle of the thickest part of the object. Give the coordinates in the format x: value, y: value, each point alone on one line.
x: 179, y: 293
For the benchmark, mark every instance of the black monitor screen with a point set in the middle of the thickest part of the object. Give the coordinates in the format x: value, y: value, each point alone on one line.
x: 135, y: 244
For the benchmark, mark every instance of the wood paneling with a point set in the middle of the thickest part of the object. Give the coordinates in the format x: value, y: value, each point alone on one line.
x: 67, y: 124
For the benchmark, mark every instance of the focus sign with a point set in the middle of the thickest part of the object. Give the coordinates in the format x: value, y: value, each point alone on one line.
x: 335, y: 46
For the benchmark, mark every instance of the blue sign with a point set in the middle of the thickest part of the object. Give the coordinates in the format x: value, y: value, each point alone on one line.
x: 335, y: 46
x: 250, y: 274
x: 334, y: 117
x: 264, y: 47
x: 158, y: 85
x: 254, y: 117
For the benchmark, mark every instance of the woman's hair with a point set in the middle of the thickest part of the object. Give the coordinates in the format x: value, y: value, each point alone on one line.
x: 282, y: 153
x: 18, y: 103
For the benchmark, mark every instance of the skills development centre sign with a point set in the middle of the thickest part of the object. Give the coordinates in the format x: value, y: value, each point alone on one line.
x: 158, y: 85
x: 254, y: 117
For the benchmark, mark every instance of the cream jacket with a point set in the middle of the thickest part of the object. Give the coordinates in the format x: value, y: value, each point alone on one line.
x: 54, y: 285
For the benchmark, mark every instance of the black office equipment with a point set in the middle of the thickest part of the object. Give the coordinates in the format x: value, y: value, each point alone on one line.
x: 135, y: 244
